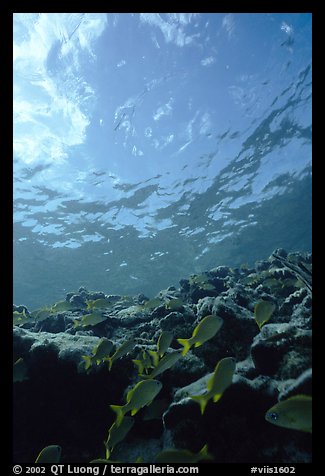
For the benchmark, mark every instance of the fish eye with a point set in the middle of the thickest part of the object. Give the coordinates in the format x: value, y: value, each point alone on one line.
x: 273, y: 416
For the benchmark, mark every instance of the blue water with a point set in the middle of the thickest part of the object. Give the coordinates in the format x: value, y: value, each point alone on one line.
x: 151, y: 146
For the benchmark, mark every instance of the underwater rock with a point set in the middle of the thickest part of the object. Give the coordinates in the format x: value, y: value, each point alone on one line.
x: 65, y: 346
x: 240, y: 409
x: 262, y: 265
x: 54, y: 324
x: 285, y: 352
x: 201, y: 285
x: 301, y: 386
x: 272, y: 363
x: 77, y: 301
x: 221, y: 271
x: 296, y: 297
x: 175, y: 320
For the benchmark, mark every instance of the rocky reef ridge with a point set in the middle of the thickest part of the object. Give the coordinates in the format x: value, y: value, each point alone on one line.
x: 59, y: 399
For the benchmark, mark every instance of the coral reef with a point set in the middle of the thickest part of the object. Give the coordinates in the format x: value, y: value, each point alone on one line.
x: 271, y: 355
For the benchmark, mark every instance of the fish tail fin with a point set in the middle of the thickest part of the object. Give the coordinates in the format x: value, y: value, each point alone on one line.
x: 204, y: 453
x: 155, y: 357
x: 186, y: 344
x: 140, y: 366
x: 217, y: 397
x: 88, y: 361
x: 118, y: 409
x: 76, y: 323
x: 107, y: 451
x: 145, y: 377
x: 110, y: 363
x: 202, y: 401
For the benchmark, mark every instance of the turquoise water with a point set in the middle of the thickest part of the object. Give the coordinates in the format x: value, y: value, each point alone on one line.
x: 151, y: 146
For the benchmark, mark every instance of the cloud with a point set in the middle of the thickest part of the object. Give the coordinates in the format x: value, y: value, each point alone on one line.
x: 286, y: 28
x: 164, y: 110
x: 228, y: 24
x: 51, y: 100
x: 182, y: 18
x: 172, y: 28
x: 208, y: 61
x: 205, y: 124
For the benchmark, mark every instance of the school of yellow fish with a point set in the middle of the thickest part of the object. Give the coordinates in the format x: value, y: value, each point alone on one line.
x: 293, y: 413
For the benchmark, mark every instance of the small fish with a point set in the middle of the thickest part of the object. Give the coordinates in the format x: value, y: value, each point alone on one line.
x: 49, y: 454
x: 42, y: 314
x: 117, y: 433
x: 20, y: 318
x: 218, y: 382
x: 263, y: 310
x: 61, y: 306
x: 124, y: 349
x: 294, y: 413
x: 174, y: 304
x: 20, y: 371
x: 205, y: 330
x: 143, y: 362
x: 139, y: 396
x: 164, y: 341
x: 152, y: 303
x: 183, y: 456
x: 155, y: 357
x: 99, y: 353
x: 272, y: 283
x: 165, y: 363
x: 98, y: 304
x: 90, y: 320
x: 201, y: 281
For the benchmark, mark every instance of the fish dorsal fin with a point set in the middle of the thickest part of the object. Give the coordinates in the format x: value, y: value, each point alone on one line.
x: 129, y: 395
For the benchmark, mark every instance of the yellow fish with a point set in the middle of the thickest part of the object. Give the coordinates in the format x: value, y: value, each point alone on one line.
x: 90, y: 320
x: 263, y: 310
x: 217, y: 384
x: 124, y: 349
x: 20, y: 318
x: 164, y: 341
x: 143, y: 362
x: 101, y: 303
x: 294, y: 413
x: 174, y: 304
x: 204, y: 331
x: 117, y: 433
x: 100, y: 352
x: 139, y: 396
x: 49, y: 454
x: 61, y: 306
x: 165, y: 363
x: 183, y: 456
